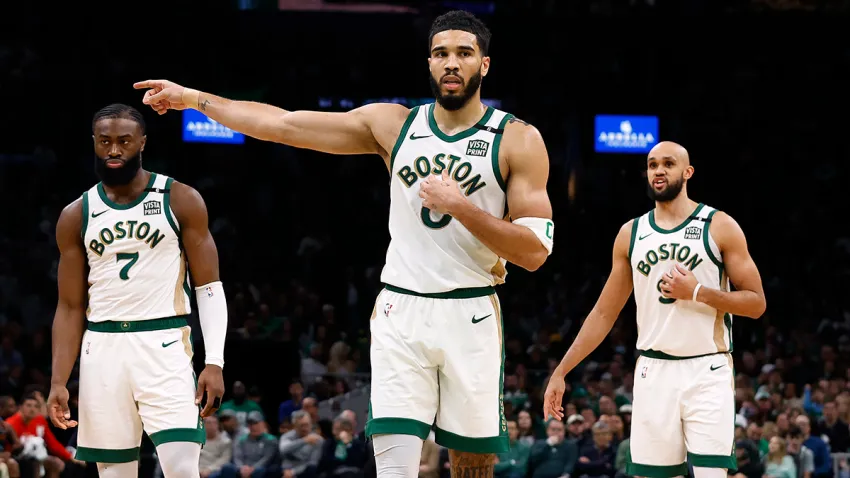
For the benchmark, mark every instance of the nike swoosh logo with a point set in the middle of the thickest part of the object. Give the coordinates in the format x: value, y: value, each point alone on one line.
x: 167, y: 344
x: 413, y: 136
x: 644, y: 237
x: 95, y: 214
x: 475, y: 321
x: 713, y: 368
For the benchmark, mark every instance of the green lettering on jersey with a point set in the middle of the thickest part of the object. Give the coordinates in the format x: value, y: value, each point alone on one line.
x: 667, y: 252
x: 126, y: 230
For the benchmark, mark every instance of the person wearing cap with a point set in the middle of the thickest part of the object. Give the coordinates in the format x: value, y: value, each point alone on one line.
x: 229, y: 424
x: 576, y: 430
x: 253, y: 453
x: 241, y: 404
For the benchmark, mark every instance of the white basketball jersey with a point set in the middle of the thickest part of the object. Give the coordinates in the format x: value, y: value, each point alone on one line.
x: 678, y: 328
x: 137, y: 269
x: 430, y: 252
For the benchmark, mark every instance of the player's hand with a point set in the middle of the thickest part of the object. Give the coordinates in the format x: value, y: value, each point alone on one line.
x: 679, y: 283
x: 440, y: 193
x: 210, y: 381
x: 57, y: 407
x: 162, y: 95
x: 553, y: 399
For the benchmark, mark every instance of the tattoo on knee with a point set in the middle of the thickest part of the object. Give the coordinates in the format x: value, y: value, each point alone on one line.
x: 471, y: 465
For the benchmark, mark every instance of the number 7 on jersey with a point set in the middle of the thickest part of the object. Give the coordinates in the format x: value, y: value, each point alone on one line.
x: 126, y: 256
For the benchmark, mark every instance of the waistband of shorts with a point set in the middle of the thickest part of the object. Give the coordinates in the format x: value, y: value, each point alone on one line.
x: 655, y: 354
x: 468, y: 293
x: 116, y: 327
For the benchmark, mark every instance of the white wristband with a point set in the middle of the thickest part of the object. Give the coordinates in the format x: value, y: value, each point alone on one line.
x: 696, y: 291
x: 212, y: 312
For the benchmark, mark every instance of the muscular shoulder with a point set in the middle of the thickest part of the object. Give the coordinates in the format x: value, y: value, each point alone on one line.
x: 70, y: 222
x: 186, y: 201
x: 385, y: 115
x: 523, y: 149
x: 725, y: 230
x: 622, y: 242
x: 519, y: 135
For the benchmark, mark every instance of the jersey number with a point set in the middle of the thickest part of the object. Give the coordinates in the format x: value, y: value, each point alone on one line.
x: 444, y: 221
x: 124, y: 256
x: 662, y: 299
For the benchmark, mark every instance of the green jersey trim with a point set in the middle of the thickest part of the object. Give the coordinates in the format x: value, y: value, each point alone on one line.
x: 167, y: 200
x: 113, y: 326
x: 432, y: 123
x: 85, y: 215
x: 398, y: 142
x: 632, y: 239
x: 687, y: 221
x: 497, y: 142
x: 114, y: 205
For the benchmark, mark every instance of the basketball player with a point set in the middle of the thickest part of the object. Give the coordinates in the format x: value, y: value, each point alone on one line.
x: 680, y: 258
x: 123, y: 248
x: 457, y: 167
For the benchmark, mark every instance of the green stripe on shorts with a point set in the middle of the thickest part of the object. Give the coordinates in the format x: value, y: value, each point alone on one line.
x: 468, y: 293
x: 102, y: 455
x: 116, y: 327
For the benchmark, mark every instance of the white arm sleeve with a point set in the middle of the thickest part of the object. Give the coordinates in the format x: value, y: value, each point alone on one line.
x: 212, y: 312
x: 543, y: 228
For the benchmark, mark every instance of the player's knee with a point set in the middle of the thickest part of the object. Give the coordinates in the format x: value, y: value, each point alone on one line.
x: 397, y: 455
x: 702, y: 472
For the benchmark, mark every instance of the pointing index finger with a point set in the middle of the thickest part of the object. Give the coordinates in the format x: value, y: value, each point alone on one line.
x: 144, y: 84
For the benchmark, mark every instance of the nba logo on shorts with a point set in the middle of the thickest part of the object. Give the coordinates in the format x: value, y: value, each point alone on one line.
x: 643, y: 372
x: 387, y: 308
x: 88, y: 347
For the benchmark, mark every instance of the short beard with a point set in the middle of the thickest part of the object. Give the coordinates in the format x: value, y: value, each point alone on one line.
x: 455, y: 100
x: 669, y: 193
x: 118, y: 176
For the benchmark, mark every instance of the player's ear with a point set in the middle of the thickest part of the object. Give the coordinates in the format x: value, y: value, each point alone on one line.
x: 485, y: 65
x: 689, y: 172
x: 144, y: 140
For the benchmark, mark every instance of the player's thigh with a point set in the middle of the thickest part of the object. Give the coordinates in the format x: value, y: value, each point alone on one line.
x: 110, y: 430
x: 471, y: 415
x: 404, y: 393
x: 165, y: 385
x: 657, y: 442
x: 709, y: 413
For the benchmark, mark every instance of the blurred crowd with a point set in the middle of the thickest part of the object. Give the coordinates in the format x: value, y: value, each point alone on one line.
x: 306, y: 284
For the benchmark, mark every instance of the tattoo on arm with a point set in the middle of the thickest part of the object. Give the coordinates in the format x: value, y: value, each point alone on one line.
x: 203, y: 105
x: 471, y: 465
x: 514, y: 119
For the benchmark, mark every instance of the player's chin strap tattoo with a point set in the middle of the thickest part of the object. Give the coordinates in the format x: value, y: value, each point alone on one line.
x: 212, y: 312
x: 471, y: 465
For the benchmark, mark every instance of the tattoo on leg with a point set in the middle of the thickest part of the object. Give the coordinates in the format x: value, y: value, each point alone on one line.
x: 471, y: 465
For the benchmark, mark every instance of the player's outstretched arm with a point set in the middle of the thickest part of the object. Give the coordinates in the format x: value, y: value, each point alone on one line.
x: 191, y: 213
x: 352, y: 132
x: 69, y: 320
x: 527, y: 241
x: 748, y: 300
x: 598, y: 323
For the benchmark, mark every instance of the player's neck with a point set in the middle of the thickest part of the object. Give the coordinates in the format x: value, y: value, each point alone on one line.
x: 452, y: 122
x: 675, y: 211
x: 131, y: 190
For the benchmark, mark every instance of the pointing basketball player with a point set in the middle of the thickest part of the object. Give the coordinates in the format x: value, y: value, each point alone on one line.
x: 458, y: 170
x: 124, y: 299
x: 680, y: 258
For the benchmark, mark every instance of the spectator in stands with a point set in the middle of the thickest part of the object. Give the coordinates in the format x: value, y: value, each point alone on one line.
x: 624, y: 455
x: 254, y: 452
x: 300, y: 448
x: 241, y: 404
x: 8, y: 407
x: 577, y: 431
x: 229, y: 425
x: 217, y: 451
x: 596, y: 459
x: 834, y: 428
x: 804, y: 459
x: 343, y: 455
x: 9, y: 444
x: 296, y: 395
x: 38, y: 441
x: 749, y: 462
x: 312, y: 367
x: 778, y: 464
x: 514, y: 462
x: 823, y: 462
x: 555, y: 456
x: 525, y: 426
x: 813, y: 401
x: 311, y: 406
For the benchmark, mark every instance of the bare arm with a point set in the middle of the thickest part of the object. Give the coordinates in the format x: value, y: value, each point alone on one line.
x: 527, y: 197
x: 748, y: 300
x: 69, y: 320
x: 614, y: 295
x: 191, y: 213
x: 352, y: 132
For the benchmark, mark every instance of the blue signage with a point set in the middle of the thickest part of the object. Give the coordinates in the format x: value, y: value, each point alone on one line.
x: 625, y: 134
x: 198, y: 128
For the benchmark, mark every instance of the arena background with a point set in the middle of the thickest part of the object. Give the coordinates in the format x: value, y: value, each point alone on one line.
x: 756, y: 90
